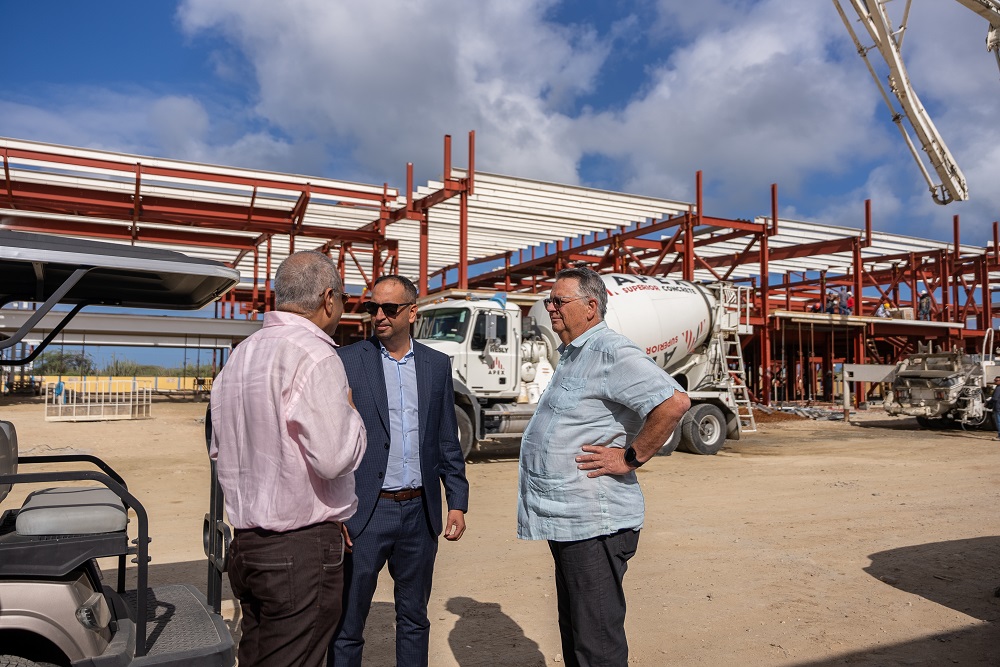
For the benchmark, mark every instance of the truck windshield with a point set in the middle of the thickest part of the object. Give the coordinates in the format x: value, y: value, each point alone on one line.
x: 444, y: 324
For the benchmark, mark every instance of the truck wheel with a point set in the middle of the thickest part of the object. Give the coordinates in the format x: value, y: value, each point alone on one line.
x: 703, y: 430
x: 465, y: 435
x: 671, y: 444
x: 975, y: 424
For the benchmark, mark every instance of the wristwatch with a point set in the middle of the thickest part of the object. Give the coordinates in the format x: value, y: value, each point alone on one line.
x: 630, y: 459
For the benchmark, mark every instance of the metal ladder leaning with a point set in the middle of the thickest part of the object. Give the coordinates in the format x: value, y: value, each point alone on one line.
x: 735, y: 305
x: 733, y: 354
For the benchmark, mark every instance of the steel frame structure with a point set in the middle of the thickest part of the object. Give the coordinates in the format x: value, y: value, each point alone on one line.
x: 249, y: 220
x: 474, y: 230
x: 791, y: 265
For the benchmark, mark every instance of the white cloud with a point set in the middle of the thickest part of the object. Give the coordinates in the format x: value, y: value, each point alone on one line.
x: 389, y: 79
x: 753, y: 98
x: 751, y: 104
x: 160, y: 126
x: 752, y: 92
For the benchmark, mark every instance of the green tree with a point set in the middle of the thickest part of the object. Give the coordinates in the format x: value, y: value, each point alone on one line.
x: 58, y: 362
x: 127, y: 368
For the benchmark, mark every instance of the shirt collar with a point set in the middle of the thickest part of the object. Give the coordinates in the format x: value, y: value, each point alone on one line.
x: 280, y: 318
x: 386, y: 355
x: 582, y: 339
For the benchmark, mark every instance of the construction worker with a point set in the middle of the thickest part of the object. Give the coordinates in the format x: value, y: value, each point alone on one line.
x: 924, y: 306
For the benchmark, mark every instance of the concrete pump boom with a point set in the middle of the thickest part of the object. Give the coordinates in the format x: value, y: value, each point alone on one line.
x: 888, y: 41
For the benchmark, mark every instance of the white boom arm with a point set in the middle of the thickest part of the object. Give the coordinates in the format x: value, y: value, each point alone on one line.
x: 888, y: 42
x: 989, y: 10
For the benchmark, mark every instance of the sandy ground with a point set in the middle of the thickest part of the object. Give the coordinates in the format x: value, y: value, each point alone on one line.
x: 808, y: 543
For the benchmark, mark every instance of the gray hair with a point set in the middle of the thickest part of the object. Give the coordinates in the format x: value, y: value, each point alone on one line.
x: 591, y: 286
x: 301, y: 280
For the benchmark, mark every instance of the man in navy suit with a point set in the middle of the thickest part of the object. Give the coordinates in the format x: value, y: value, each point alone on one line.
x: 405, y: 395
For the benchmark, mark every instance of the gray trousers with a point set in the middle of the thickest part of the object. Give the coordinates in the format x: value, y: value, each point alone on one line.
x: 591, y: 599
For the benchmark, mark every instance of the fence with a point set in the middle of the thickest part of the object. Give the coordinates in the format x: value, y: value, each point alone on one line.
x: 97, y: 400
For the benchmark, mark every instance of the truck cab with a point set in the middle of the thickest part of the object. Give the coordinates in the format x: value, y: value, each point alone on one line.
x: 482, y: 337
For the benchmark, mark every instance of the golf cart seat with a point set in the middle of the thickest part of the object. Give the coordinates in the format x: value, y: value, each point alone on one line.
x: 71, y: 510
x: 57, y: 528
x: 66, y: 510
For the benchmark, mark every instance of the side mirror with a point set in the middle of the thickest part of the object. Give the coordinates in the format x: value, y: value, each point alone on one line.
x: 491, y: 336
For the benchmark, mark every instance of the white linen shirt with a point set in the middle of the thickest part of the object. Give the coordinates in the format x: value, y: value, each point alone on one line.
x: 285, y: 437
x: 600, y: 394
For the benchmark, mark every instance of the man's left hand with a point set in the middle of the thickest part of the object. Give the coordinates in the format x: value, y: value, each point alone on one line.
x: 603, y: 461
x: 454, y: 526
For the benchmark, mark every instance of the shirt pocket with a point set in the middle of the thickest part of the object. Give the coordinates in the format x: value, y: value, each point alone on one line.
x: 544, y: 484
x: 568, y: 393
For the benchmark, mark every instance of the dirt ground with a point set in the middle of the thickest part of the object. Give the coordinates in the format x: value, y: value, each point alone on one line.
x: 807, y: 543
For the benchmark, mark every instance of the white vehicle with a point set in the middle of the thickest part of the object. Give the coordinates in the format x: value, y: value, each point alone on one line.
x: 941, y: 388
x: 502, y: 361
x: 56, y: 607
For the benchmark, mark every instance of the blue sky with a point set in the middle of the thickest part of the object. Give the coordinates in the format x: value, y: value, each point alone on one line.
x: 631, y: 95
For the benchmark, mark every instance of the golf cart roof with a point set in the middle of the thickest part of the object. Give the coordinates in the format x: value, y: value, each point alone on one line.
x: 50, y: 270
x: 33, y: 267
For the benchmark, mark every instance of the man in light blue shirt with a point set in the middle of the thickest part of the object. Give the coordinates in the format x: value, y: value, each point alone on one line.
x: 403, y: 468
x: 607, y: 410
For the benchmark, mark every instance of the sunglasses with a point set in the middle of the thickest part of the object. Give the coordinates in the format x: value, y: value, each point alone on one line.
x: 558, y: 301
x: 344, y: 296
x: 390, y: 309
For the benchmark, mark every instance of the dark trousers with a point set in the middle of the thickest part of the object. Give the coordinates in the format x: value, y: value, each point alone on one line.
x: 996, y: 419
x: 290, y: 586
x: 398, y: 534
x: 591, y: 599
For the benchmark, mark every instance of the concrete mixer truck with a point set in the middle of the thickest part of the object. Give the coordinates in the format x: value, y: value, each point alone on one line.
x: 502, y: 359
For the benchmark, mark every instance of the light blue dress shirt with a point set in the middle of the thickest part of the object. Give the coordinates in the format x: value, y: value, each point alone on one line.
x: 600, y: 394
x: 403, y: 470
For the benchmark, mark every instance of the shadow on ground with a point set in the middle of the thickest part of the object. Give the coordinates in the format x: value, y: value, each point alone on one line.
x: 482, y: 635
x: 961, y: 575
x: 495, y: 450
x: 194, y: 573
x: 890, y: 423
x: 910, y: 424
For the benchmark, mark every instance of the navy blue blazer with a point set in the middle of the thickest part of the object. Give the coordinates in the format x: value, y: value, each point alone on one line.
x: 440, y: 453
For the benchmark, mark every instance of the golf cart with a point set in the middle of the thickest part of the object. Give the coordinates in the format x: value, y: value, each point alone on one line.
x: 54, y: 607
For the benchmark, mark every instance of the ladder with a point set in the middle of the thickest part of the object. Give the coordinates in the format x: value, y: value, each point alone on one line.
x: 735, y: 311
x: 732, y: 353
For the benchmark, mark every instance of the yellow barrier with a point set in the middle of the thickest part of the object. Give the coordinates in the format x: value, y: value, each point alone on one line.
x: 161, y: 383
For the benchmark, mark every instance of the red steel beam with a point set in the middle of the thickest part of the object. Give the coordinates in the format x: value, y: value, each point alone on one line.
x: 261, y: 180
x: 149, y: 235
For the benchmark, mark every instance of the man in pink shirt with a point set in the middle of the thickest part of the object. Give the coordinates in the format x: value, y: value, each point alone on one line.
x: 287, y: 440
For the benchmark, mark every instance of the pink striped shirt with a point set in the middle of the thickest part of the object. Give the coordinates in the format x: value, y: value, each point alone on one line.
x: 285, y: 437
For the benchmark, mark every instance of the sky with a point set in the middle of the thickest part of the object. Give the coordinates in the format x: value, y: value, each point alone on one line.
x: 627, y: 95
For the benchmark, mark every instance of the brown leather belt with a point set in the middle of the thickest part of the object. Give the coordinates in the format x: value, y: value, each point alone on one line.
x: 405, y: 494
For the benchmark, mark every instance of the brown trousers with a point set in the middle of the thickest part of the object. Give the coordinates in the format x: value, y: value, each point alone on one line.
x: 290, y: 587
